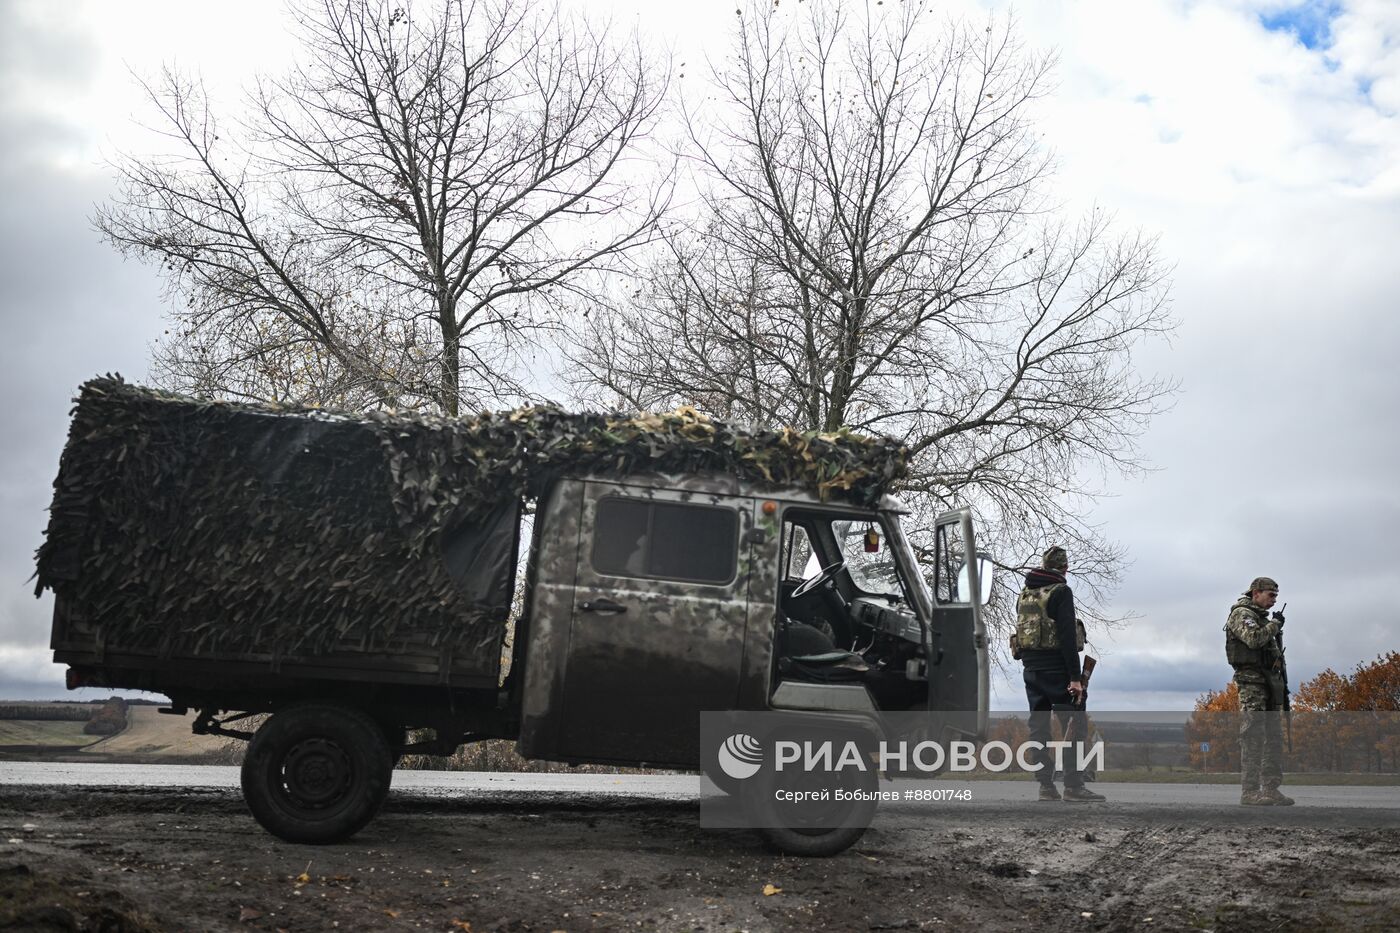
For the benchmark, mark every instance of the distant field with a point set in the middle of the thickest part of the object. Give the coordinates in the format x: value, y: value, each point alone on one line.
x: 45, y: 733
x: 151, y: 734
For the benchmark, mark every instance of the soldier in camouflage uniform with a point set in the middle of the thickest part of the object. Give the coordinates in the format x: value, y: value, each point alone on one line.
x: 1253, y: 649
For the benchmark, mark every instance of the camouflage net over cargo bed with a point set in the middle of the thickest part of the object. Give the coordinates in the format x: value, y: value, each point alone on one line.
x: 184, y: 527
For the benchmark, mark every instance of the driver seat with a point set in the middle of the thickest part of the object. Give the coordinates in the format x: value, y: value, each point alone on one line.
x: 809, y: 654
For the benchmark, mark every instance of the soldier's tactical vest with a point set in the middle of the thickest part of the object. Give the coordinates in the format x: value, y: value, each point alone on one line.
x: 1241, y: 655
x: 1034, y: 627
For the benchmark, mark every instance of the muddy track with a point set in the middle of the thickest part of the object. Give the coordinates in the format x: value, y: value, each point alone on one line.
x: 144, y: 859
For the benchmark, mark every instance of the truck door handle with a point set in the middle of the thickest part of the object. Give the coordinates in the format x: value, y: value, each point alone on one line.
x: 604, y: 606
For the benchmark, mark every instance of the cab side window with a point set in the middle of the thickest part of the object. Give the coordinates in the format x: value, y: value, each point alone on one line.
x: 949, y: 557
x: 798, y: 556
x: 665, y: 540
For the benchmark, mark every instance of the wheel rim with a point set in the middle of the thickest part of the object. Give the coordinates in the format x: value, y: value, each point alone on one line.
x: 316, y: 774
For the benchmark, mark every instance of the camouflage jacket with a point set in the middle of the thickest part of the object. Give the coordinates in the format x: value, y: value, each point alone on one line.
x: 1251, y: 641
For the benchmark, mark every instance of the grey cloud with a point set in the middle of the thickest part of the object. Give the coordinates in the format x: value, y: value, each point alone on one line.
x: 1335, y: 566
x: 70, y: 307
x: 36, y: 49
x: 34, y: 141
x: 24, y: 620
x: 1280, y: 457
x: 1134, y: 681
x: 1143, y: 672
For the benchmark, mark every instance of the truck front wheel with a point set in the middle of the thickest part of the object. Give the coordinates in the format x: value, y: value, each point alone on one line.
x: 316, y: 773
x: 812, y: 813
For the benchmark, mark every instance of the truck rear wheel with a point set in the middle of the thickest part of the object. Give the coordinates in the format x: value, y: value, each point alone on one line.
x: 316, y: 773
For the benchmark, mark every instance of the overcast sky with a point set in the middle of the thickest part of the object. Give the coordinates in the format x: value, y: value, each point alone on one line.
x: 1260, y: 140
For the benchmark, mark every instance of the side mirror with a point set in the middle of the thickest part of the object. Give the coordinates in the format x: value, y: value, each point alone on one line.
x: 984, y: 577
x: 984, y: 580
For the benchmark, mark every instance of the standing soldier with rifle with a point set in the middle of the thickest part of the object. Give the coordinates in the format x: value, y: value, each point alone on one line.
x: 1254, y: 648
x: 1048, y: 640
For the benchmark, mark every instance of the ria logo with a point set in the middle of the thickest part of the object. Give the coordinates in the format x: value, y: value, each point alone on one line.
x: 740, y: 756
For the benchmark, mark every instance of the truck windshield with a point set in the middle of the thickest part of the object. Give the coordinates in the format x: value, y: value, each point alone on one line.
x: 874, y: 572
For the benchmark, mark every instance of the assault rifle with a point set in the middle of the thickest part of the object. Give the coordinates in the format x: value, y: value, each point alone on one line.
x: 1283, y: 672
x: 1075, y: 710
x: 1088, y: 671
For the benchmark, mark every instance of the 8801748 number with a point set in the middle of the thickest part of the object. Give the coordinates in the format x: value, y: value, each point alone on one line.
x: 938, y: 793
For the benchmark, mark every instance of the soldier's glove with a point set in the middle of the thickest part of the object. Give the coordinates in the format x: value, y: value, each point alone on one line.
x: 1278, y: 617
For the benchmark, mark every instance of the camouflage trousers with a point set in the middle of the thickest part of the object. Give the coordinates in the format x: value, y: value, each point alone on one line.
x: 1261, y: 737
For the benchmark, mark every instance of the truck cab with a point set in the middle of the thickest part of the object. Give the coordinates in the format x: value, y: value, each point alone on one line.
x: 653, y: 598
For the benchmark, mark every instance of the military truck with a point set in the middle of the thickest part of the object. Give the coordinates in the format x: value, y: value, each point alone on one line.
x: 242, y: 560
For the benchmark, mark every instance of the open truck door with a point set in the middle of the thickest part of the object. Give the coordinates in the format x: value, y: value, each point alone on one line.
x: 959, y: 685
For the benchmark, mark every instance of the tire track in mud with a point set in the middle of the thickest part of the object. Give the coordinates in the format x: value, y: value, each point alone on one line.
x: 1145, y: 866
x: 1243, y: 878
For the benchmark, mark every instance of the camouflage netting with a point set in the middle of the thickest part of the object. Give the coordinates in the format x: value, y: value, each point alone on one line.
x: 184, y: 526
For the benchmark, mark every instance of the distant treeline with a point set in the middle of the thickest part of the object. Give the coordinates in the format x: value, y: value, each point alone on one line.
x: 48, y: 712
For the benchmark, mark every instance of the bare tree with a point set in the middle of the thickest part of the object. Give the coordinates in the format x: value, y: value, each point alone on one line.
x: 874, y: 249
x: 389, y: 219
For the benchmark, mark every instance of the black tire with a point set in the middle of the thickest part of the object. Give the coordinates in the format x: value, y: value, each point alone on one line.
x: 723, y: 782
x: 317, y: 773
x: 812, y: 844
x: 709, y: 766
x: 807, y: 830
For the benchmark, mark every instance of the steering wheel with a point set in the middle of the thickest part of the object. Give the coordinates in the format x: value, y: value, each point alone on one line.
x: 823, y: 576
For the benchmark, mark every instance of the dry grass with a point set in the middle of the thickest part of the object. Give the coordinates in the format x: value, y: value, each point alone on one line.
x: 44, y: 733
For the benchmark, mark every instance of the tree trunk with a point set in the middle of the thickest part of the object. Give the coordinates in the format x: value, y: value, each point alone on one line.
x: 450, y: 384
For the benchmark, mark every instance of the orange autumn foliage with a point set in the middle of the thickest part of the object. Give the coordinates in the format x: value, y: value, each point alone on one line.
x: 1376, y: 686
x: 1339, y: 723
x: 1216, y: 724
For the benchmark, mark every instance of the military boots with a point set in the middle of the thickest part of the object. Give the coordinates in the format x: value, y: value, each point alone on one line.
x: 1275, y: 797
x: 1083, y: 795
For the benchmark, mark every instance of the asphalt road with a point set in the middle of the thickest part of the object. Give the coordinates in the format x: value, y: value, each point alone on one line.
x: 1381, y: 804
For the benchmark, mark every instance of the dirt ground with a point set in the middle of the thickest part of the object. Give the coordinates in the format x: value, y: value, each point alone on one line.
x: 138, y: 860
